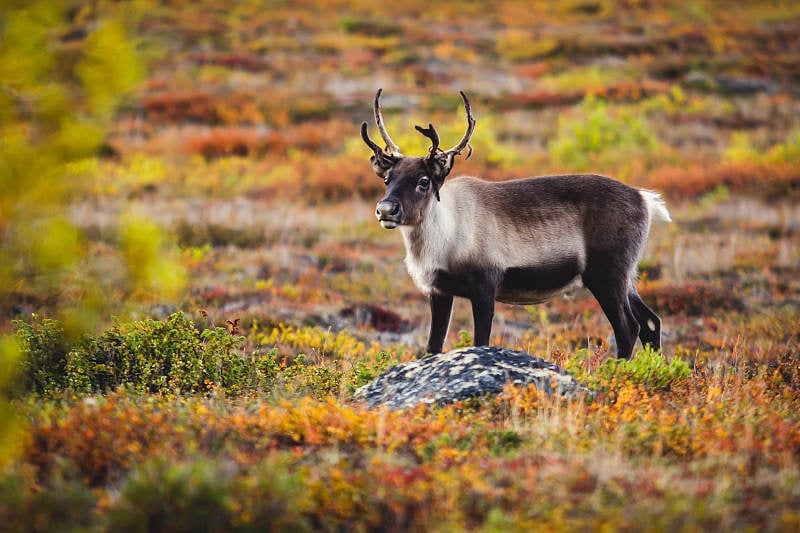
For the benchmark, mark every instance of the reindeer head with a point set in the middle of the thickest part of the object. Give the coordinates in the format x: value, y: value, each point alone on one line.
x: 411, y: 181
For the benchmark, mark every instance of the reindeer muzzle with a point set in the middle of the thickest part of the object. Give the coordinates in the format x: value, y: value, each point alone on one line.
x: 389, y: 213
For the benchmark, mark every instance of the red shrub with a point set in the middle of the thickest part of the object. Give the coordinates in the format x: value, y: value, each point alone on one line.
x: 770, y: 181
x: 691, y: 298
x: 224, y: 141
x: 180, y: 107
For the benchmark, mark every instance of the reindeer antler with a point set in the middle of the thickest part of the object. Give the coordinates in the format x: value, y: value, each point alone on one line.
x: 391, y: 153
x: 430, y: 133
x: 464, y: 142
x: 391, y: 147
x: 372, y: 144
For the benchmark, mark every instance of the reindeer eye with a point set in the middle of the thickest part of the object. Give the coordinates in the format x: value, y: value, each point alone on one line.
x: 424, y: 183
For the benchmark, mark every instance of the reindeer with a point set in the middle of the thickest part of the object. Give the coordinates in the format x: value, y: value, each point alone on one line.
x: 520, y: 241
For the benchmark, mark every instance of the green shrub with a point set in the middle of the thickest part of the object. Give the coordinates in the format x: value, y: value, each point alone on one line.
x: 364, y: 372
x: 175, y: 356
x: 648, y: 367
x: 61, y: 503
x: 147, y: 356
x: 44, y: 346
x: 209, y: 495
x: 163, y: 496
x: 600, y: 135
x: 164, y: 356
x: 742, y: 150
x: 464, y: 340
x: 303, y: 379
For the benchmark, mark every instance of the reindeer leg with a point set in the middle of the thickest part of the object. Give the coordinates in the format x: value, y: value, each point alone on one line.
x: 649, y: 322
x: 482, y: 314
x: 441, y: 310
x: 614, y: 302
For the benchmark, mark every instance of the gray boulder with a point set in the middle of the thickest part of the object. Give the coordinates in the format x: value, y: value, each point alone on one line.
x: 464, y: 373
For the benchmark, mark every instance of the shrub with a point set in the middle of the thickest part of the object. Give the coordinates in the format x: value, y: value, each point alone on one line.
x: 224, y: 141
x: 164, y: 356
x: 691, y: 298
x: 45, y: 347
x: 175, y: 356
x: 162, y: 496
x: 312, y: 380
x: 600, y: 133
x: 648, y: 368
x: 180, y: 107
x: 206, y: 233
x: 742, y: 150
x: 61, y: 503
x: 769, y: 180
x: 364, y: 372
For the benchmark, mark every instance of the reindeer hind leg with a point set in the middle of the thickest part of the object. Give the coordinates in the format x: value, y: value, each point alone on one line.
x: 649, y: 322
x: 614, y: 302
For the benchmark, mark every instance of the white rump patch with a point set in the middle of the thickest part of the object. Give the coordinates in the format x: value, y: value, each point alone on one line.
x: 655, y: 205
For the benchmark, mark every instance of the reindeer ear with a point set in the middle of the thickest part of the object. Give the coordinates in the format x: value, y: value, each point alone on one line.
x: 440, y: 165
x: 381, y: 164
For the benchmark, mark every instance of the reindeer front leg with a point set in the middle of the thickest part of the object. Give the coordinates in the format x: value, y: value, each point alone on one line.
x: 482, y: 313
x: 441, y: 310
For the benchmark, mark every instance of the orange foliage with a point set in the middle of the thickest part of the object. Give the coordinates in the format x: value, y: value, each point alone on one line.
x: 223, y: 141
x: 166, y: 107
x: 770, y: 181
x: 310, y: 137
x: 691, y: 298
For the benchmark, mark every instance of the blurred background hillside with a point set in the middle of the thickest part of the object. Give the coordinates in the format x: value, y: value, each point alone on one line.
x: 194, y: 154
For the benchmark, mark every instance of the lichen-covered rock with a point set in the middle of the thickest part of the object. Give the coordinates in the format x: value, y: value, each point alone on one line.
x: 465, y: 373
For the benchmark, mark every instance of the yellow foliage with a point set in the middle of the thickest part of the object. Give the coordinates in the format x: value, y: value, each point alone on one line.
x: 148, y: 263
x: 520, y: 45
x: 108, y: 69
x: 55, y: 244
x: 9, y: 421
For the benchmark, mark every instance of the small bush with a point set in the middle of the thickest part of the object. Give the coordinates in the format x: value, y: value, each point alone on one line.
x: 364, y: 372
x: 45, y: 346
x: 210, y: 495
x: 376, y: 27
x: 691, y: 298
x: 312, y: 380
x: 648, y: 368
x: 148, y: 356
x: 162, y: 496
x: 175, y: 356
x: 164, y: 356
x: 186, y: 106
x: 600, y: 134
x: 62, y: 503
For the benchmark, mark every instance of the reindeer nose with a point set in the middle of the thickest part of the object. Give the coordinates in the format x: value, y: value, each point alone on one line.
x: 387, y: 209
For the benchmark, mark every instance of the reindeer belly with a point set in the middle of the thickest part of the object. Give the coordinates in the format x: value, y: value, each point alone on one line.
x: 534, y: 284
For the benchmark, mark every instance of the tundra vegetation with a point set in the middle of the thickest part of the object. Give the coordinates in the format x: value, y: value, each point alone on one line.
x: 192, y: 281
